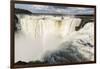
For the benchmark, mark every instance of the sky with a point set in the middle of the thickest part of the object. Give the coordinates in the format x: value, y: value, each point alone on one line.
x: 55, y: 9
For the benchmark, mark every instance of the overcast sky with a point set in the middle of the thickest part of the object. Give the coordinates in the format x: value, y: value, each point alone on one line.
x: 55, y: 9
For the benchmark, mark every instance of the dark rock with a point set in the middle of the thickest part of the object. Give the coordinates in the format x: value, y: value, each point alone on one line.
x: 35, y: 62
x: 21, y: 63
x: 85, y: 19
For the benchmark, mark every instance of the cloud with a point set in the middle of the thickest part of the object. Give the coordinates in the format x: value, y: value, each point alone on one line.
x: 55, y: 9
x: 40, y: 6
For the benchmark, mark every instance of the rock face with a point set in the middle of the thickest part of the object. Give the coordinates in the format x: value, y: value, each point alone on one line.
x: 85, y: 19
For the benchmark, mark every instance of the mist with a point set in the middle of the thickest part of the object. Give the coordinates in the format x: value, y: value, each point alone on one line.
x: 42, y: 34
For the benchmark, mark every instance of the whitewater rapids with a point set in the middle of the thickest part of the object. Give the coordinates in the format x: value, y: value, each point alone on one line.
x: 38, y: 35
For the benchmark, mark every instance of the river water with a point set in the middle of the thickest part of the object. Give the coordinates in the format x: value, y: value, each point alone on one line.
x: 42, y: 33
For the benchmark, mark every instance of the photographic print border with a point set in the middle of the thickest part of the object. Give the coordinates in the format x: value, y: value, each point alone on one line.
x: 12, y: 51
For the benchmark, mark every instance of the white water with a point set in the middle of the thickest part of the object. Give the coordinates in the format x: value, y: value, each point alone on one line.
x: 38, y: 36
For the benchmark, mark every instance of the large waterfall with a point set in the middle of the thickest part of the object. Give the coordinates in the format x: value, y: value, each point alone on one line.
x: 41, y: 33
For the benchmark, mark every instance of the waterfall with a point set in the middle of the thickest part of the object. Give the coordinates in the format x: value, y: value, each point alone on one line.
x: 41, y: 33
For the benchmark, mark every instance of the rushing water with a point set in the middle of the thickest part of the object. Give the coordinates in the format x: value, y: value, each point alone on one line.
x: 42, y: 33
